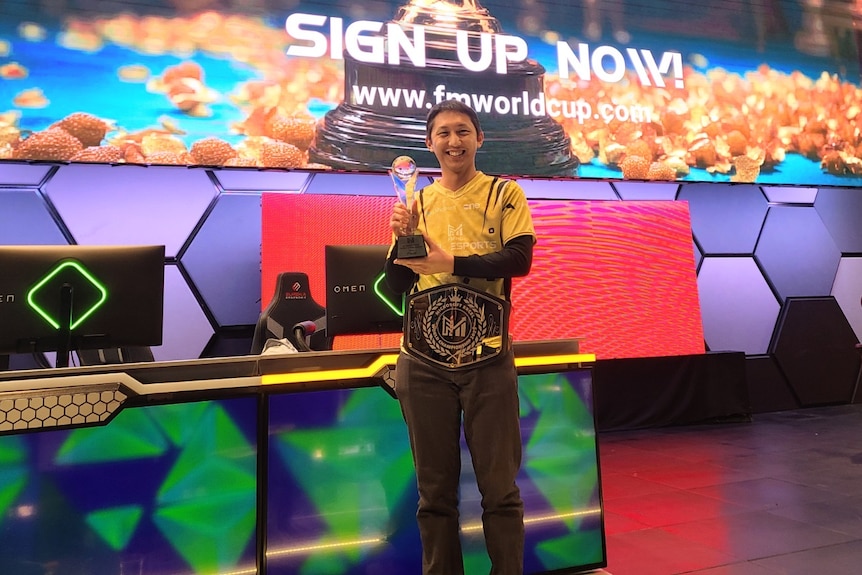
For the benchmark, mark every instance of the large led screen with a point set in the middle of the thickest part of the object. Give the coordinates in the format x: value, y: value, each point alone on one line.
x: 619, y: 275
x: 343, y: 497
x: 717, y: 91
x: 160, y: 490
x: 173, y: 489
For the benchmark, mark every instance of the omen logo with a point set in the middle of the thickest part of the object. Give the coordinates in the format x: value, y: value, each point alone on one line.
x: 7, y: 298
x: 355, y: 288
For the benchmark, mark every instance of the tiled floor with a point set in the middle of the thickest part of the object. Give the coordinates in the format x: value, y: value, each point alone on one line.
x: 779, y: 495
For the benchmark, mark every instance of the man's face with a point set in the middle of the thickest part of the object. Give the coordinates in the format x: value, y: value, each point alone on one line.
x: 454, y: 141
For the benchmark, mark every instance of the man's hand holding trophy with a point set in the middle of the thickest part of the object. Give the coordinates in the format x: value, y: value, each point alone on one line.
x: 404, y: 174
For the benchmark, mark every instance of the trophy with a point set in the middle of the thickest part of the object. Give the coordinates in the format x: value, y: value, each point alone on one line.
x: 404, y: 175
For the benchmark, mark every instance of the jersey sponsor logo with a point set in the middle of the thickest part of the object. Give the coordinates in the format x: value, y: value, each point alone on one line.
x: 434, y: 210
x: 481, y: 245
x: 456, y: 245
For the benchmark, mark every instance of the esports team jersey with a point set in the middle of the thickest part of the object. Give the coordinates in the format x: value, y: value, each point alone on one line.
x: 478, y: 218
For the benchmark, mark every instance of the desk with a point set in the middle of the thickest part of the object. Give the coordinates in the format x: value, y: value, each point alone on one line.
x: 277, y: 464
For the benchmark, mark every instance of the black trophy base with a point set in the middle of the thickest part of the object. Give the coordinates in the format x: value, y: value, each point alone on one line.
x: 411, y: 246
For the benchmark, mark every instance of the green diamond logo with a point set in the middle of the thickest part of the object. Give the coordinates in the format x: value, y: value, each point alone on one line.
x: 395, y: 303
x: 88, y: 293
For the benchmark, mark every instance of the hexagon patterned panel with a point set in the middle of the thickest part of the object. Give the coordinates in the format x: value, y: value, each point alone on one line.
x: 25, y: 219
x: 261, y: 181
x: 186, y: 328
x: 767, y: 386
x: 738, y: 308
x: 725, y: 219
x: 560, y: 189
x: 222, y: 259
x: 847, y: 291
x: 646, y: 191
x: 354, y: 185
x: 834, y: 206
x: 805, y: 242
x: 815, y: 348
x: 796, y: 252
x: 698, y: 255
x: 128, y: 204
x: 790, y: 195
x: 23, y: 174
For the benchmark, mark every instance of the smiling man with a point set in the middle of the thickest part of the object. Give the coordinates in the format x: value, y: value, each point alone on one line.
x: 454, y: 367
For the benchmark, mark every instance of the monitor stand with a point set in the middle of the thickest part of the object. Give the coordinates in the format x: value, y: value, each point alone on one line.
x: 64, y: 346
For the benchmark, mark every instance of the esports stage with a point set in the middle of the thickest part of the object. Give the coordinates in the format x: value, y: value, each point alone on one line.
x: 292, y: 463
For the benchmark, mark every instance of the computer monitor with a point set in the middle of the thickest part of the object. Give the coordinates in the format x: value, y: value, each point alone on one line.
x: 71, y: 297
x: 358, y: 302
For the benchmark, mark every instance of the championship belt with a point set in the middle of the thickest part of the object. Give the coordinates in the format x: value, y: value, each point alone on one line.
x: 447, y: 326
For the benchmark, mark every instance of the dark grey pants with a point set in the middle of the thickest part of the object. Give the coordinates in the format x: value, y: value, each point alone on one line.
x: 432, y: 402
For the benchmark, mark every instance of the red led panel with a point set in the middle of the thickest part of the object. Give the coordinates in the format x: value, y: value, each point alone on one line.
x: 297, y: 227
x: 619, y: 275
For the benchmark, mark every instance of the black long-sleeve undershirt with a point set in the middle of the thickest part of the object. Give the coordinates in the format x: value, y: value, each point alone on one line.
x: 514, y: 260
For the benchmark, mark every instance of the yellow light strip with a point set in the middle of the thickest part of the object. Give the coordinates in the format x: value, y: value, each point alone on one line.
x: 306, y: 549
x: 332, y: 374
x: 549, y: 360
x: 299, y: 549
x: 239, y: 571
x: 390, y: 359
x: 541, y: 518
x: 243, y: 571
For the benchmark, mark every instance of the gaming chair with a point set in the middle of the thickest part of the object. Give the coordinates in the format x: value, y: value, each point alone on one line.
x: 291, y: 314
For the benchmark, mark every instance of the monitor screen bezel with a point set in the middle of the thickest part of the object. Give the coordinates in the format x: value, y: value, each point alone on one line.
x: 359, y: 311
x: 132, y: 314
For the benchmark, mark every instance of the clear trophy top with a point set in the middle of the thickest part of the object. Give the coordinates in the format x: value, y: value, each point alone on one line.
x: 403, y: 168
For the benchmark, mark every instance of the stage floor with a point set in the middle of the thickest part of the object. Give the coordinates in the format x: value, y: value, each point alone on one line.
x: 779, y: 495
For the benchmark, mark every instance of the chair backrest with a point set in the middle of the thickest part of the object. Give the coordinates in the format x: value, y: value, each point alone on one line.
x: 291, y: 304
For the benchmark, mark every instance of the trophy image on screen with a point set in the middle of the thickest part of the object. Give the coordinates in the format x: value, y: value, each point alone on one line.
x: 404, y: 175
x: 363, y: 134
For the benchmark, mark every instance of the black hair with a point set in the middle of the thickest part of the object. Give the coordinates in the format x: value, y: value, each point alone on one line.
x: 451, y: 106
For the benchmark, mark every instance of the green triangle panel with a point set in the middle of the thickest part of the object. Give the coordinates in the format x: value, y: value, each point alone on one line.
x: 12, y: 450
x: 370, y: 473
x: 476, y: 561
x: 13, y: 471
x: 12, y: 481
x: 325, y: 564
x: 211, y: 479
x: 581, y: 548
x: 215, y: 450
x: 207, y: 501
x: 179, y: 421
x: 115, y: 525
x: 370, y: 405
x: 398, y: 473
x: 560, y: 460
x: 368, y: 458
x: 210, y: 533
x: 533, y: 388
x: 131, y: 435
